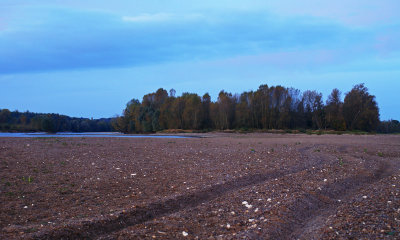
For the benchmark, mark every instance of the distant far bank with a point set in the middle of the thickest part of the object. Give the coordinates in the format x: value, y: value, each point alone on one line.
x: 43, y: 122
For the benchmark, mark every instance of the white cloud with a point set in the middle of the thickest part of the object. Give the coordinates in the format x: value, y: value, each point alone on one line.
x: 158, y: 17
x: 162, y: 17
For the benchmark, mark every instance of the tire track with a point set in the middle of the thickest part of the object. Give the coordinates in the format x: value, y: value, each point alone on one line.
x: 308, y: 214
x: 102, y: 226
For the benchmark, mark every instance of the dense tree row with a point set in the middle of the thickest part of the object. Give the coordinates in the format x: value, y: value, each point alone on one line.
x: 27, y: 121
x: 274, y: 107
x: 391, y: 126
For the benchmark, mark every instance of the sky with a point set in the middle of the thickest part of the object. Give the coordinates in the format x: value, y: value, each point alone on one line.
x: 89, y: 58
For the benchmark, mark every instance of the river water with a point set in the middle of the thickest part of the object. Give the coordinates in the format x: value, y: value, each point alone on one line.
x: 86, y: 134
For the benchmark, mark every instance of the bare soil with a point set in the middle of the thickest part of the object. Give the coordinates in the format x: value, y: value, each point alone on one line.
x: 220, y: 186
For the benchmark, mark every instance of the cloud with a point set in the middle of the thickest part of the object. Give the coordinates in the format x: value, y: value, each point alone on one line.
x: 159, y: 17
x: 51, y: 39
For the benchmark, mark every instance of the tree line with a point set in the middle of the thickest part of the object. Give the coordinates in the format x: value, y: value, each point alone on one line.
x: 38, y: 122
x: 269, y: 107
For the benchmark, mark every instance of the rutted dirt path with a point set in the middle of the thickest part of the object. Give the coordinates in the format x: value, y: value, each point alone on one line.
x: 257, y: 186
x: 312, y: 210
x: 100, y: 227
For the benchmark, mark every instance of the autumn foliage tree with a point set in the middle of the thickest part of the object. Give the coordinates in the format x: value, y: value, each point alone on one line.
x: 270, y: 107
x: 360, y: 109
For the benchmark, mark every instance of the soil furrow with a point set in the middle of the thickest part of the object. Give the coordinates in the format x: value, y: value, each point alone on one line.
x: 310, y: 212
x: 100, y: 227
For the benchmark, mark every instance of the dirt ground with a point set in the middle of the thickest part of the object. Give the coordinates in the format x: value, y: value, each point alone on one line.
x: 220, y: 186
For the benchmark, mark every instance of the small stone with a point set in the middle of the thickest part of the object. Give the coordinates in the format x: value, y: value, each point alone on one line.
x: 365, y: 197
x: 325, y: 180
x: 26, y: 207
x: 269, y: 200
x: 185, y: 234
x: 228, y: 226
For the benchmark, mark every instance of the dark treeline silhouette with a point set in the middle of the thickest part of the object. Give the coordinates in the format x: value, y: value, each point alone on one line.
x: 34, y: 122
x: 273, y: 107
x: 391, y: 126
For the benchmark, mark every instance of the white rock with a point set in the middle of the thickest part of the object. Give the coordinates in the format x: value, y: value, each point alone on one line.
x: 269, y: 200
x: 325, y: 180
x: 365, y: 197
x: 228, y: 226
x: 185, y: 234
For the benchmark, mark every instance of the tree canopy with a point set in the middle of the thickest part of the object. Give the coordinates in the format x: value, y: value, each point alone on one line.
x: 34, y: 122
x: 269, y: 107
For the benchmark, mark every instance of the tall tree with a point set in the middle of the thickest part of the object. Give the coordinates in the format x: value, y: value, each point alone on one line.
x: 314, y: 109
x: 334, y: 111
x: 360, y: 109
x: 206, y: 104
x: 226, y: 110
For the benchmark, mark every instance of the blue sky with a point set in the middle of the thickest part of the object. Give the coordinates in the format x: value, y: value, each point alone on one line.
x: 89, y: 58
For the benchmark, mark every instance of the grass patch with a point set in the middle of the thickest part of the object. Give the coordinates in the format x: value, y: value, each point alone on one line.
x: 30, y: 230
x: 340, y: 161
x: 64, y: 190
x: 27, y: 179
